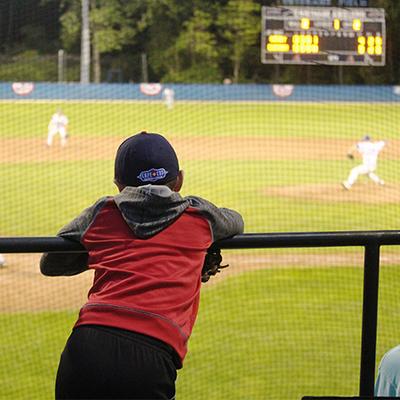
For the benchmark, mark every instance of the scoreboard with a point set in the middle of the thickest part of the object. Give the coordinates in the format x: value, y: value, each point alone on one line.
x: 323, y: 35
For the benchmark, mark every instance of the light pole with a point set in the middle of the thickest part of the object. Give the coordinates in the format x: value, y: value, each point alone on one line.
x: 85, y: 43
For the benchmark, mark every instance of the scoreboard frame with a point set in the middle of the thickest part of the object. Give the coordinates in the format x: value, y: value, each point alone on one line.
x: 323, y: 35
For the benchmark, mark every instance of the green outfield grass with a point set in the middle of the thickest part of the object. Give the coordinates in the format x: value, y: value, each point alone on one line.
x: 279, y: 333
x: 58, y: 190
x: 38, y: 198
x: 267, y: 334
x: 329, y: 120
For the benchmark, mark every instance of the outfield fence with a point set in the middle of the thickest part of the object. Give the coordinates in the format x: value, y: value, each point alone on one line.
x: 152, y: 93
x: 370, y: 240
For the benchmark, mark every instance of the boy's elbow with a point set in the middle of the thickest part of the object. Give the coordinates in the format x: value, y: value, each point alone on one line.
x: 63, y: 264
x: 45, y: 266
x: 238, y: 223
x: 52, y: 264
x: 240, y: 226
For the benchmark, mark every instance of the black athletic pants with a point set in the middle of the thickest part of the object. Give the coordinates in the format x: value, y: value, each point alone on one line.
x: 106, y: 363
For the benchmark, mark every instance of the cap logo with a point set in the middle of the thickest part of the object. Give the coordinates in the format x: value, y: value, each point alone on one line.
x: 153, y: 175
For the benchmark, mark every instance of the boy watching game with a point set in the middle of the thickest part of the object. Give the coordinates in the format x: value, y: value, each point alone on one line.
x: 147, y: 246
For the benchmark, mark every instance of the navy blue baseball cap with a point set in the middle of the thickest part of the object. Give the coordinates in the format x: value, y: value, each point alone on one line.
x: 145, y: 158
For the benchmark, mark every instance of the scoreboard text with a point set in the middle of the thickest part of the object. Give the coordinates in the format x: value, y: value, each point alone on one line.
x: 323, y: 35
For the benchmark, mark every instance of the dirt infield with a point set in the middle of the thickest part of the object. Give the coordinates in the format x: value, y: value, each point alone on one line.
x: 363, y: 192
x: 191, y: 148
x: 23, y: 288
x: 224, y: 148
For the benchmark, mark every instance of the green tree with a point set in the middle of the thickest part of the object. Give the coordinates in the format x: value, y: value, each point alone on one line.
x: 162, y: 24
x: 71, y: 24
x: 239, y: 27
x: 110, y: 28
x: 195, y: 51
x: 391, y: 73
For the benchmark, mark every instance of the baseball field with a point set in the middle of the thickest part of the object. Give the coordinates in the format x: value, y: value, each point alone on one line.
x: 277, y: 324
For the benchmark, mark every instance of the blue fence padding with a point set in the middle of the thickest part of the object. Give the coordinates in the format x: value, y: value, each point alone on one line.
x: 206, y: 92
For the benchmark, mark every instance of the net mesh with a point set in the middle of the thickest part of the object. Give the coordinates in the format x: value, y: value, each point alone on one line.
x: 277, y: 324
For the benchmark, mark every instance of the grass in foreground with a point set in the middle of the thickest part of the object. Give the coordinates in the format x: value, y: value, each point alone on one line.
x: 38, y: 199
x: 266, y: 334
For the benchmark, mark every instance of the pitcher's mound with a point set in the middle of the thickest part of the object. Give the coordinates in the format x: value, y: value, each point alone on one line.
x: 368, y: 193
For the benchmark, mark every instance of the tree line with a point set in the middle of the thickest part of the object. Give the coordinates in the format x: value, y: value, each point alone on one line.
x: 202, y: 41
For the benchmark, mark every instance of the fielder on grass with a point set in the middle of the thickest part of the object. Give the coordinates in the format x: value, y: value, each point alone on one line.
x: 369, y: 151
x: 168, y: 96
x: 58, y: 124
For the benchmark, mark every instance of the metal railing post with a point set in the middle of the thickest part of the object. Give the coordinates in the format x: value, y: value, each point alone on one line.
x: 369, y: 319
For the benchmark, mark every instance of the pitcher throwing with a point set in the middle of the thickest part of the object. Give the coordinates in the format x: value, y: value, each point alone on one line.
x: 369, y: 151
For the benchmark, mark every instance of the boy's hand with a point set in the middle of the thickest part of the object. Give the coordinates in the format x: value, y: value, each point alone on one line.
x: 212, y: 264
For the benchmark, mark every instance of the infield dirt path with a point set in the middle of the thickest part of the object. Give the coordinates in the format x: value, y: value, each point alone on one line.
x: 23, y: 288
x: 193, y: 148
x: 222, y: 148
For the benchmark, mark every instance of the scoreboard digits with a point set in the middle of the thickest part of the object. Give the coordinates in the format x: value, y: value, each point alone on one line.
x: 323, y: 35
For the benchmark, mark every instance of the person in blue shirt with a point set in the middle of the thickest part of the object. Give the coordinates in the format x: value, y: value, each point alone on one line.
x: 387, y: 383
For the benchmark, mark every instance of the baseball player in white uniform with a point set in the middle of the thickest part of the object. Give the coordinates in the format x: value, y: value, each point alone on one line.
x: 2, y: 260
x: 369, y: 151
x: 168, y: 95
x: 58, y: 124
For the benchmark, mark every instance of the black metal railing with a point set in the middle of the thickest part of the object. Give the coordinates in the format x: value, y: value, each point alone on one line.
x: 370, y: 240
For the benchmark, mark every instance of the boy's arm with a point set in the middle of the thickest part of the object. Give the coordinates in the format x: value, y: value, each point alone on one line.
x: 224, y: 221
x: 69, y: 263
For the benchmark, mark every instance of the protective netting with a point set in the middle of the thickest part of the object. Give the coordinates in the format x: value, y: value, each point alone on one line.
x: 278, y: 323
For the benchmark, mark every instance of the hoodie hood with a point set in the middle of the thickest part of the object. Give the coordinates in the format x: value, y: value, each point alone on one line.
x: 149, y: 209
